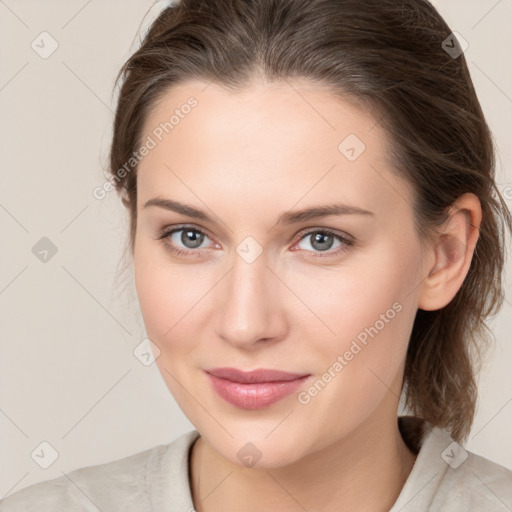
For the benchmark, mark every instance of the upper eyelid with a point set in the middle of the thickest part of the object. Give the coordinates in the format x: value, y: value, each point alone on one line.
x: 174, y: 229
x: 308, y: 231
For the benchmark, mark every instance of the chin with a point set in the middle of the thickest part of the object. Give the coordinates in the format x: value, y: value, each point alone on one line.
x: 252, y: 447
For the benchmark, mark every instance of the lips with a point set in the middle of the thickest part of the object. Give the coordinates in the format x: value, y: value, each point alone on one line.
x: 255, y: 389
x: 242, y: 377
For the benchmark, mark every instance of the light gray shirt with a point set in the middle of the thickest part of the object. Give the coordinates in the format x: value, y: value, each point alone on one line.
x: 445, y: 477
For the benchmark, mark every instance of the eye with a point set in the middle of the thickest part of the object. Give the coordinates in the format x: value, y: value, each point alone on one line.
x: 323, y: 240
x: 183, y: 240
x: 188, y: 241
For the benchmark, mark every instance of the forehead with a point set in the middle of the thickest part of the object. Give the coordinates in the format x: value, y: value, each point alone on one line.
x: 297, y: 111
x: 271, y: 143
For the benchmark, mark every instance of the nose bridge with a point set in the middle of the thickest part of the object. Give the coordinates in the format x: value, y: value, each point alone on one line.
x: 250, y: 305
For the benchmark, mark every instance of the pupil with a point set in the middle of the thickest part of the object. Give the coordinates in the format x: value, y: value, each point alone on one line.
x: 191, y: 237
x: 320, y: 238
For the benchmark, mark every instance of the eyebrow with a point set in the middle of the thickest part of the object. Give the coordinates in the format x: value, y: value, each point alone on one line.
x: 290, y: 217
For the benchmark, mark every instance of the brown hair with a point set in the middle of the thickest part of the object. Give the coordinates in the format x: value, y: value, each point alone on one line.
x: 386, y: 54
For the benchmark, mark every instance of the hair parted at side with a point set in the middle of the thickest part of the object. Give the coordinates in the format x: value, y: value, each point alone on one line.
x: 384, y: 54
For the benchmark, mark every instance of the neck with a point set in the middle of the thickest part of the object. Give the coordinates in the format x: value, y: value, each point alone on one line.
x: 363, y: 471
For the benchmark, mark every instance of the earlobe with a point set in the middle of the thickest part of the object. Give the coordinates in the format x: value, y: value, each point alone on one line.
x: 452, y: 251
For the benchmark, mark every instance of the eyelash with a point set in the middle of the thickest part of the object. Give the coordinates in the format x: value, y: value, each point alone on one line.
x: 166, y: 233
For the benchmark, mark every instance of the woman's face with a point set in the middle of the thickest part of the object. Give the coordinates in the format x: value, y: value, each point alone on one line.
x: 265, y: 287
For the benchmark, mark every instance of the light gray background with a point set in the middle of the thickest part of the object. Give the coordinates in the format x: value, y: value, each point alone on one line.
x: 68, y: 375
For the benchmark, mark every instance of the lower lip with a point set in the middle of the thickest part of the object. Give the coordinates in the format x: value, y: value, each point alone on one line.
x: 255, y: 395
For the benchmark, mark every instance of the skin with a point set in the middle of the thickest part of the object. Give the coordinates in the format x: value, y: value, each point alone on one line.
x: 244, y: 159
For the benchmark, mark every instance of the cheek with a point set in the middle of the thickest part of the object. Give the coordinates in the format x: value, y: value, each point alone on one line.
x: 363, y: 364
x: 370, y: 310
x: 150, y: 283
x: 353, y: 298
x: 166, y: 297
x: 161, y: 291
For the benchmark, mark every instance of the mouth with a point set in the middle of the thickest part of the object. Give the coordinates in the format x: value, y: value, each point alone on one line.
x: 256, y: 389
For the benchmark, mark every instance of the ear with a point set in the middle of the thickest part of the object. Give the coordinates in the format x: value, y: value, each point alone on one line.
x: 451, y: 253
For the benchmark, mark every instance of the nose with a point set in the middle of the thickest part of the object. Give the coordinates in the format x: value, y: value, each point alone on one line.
x: 249, y: 310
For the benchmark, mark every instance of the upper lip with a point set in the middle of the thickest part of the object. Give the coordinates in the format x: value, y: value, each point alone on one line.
x: 260, y: 375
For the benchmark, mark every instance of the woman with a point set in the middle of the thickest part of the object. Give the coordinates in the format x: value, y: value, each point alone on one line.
x: 315, y: 232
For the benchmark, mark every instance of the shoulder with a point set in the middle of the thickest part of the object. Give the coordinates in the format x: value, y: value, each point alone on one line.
x: 129, y: 482
x: 100, y: 485
x: 476, y: 484
x: 448, y: 477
